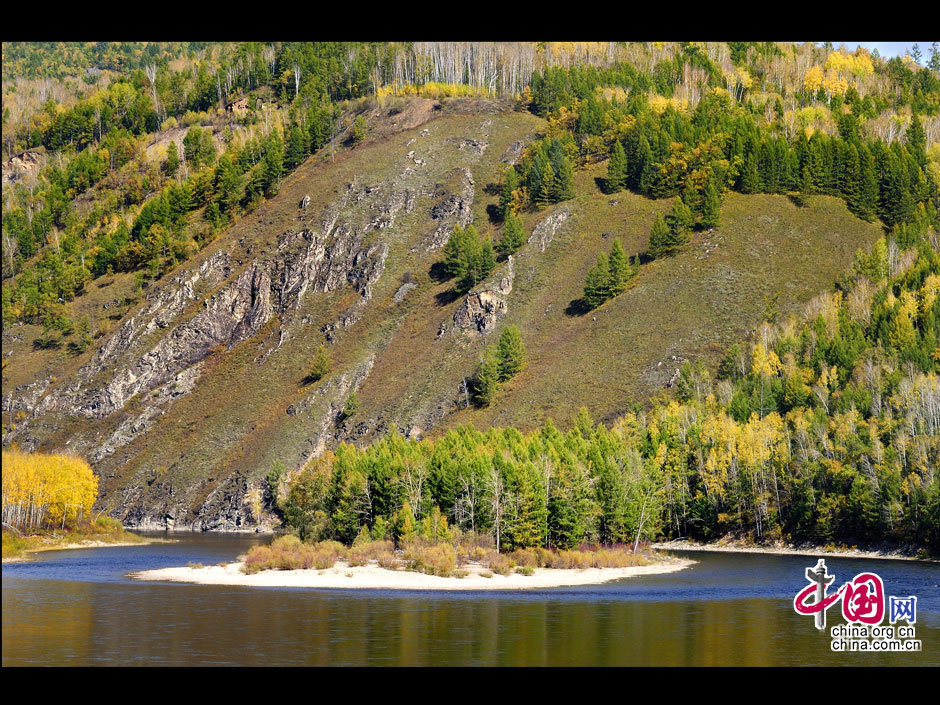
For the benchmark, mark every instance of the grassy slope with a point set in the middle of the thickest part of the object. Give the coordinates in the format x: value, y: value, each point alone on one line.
x: 689, y: 306
x: 236, y: 420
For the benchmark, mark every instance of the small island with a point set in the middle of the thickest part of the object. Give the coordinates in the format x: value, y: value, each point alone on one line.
x: 420, y: 565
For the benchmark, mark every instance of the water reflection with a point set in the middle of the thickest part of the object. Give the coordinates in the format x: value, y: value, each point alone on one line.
x: 77, y: 609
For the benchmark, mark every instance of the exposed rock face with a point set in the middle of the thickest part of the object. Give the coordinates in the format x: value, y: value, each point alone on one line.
x: 513, y: 153
x: 543, y: 233
x: 480, y: 311
x: 233, y: 314
x: 20, y: 165
x: 451, y: 209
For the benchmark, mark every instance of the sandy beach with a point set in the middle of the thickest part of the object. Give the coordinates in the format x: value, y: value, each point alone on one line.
x: 784, y: 551
x: 372, y: 576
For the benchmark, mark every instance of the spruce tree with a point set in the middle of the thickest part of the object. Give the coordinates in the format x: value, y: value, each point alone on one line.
x: 680, y: 221
x: 510, y: 353
x: 644, y: 169
x: 616, y: 169
x: 917, y: 141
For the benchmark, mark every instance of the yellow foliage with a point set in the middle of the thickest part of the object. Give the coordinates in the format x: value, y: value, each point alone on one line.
x: 813, y: 79
x: 41, y: 488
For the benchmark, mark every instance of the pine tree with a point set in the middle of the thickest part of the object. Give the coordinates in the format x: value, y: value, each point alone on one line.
x: 564, y: 181
x: 644, y: 169
x: 546, y: 191
x: 660, y: 235
x: 680, y: 221
x: 321, y: 365
x: 405, y: 525
x: 596, y: 286
x: 616, y: 169
x: 172, y: 160
x: 455, y: 254
x: 711, y: 206
x: 620, y: 270
x: 513, y: 235
x: 510, y: 184
x: 510, y: 353
x: 486, y: 380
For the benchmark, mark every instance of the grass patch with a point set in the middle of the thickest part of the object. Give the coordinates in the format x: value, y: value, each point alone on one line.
x: 104, y: 530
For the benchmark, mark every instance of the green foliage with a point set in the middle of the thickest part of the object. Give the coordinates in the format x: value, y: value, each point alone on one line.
x: 468, y: 257
x: 321, y: 365
x: 486, y: 379
x: 822, y: 436
x: 351, y: 408
x: 616, y: 169
x: 510, y: 353
x: 513, y: 235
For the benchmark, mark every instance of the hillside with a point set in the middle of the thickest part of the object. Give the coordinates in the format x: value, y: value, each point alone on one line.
x: 199, y: 388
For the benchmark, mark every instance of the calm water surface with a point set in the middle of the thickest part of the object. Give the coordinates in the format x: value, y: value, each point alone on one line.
x: 77, y: 608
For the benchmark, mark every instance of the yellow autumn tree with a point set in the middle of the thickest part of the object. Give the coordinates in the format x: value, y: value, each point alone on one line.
x: 41, y: 490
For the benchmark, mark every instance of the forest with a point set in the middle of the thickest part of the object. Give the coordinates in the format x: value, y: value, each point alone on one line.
x: 825, y: 429
x: 820, y: 428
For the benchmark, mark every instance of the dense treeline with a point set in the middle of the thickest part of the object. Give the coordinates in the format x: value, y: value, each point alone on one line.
x: 46, y: 490
x: 825, y: 429
x: 682, y: 118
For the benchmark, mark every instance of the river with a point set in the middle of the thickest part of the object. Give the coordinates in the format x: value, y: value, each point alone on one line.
x: 78, y: 608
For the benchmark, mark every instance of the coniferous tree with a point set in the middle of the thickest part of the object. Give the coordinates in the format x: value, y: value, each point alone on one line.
x: 917, y: 141
x: 172, y: 160
x: 644, y: 167
x: 564, y: 180
x: 660, y: 238
x: 510, y: 353
x: 546, y: 193
x: 620, y: 270
x: 321, y: 365
x: 296, y: 150
x: 486, y: 380
x: 680, y: 221
x: 455, y: 253
x: 513, y: 235
x: 711, y: 206
x: 596, y: 286
x: 616, y: 169
x: 273, y: 165
x: 510, y: 184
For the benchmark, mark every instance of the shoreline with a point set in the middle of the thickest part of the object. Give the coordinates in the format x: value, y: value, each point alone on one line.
x: 371, y: 576
x: 785, y: 551
x: 86, y: 543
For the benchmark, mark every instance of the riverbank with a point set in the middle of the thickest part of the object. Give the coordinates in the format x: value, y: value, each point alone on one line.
x: 785, y: 550
x: 371, y: 576
x: 17, y: 549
